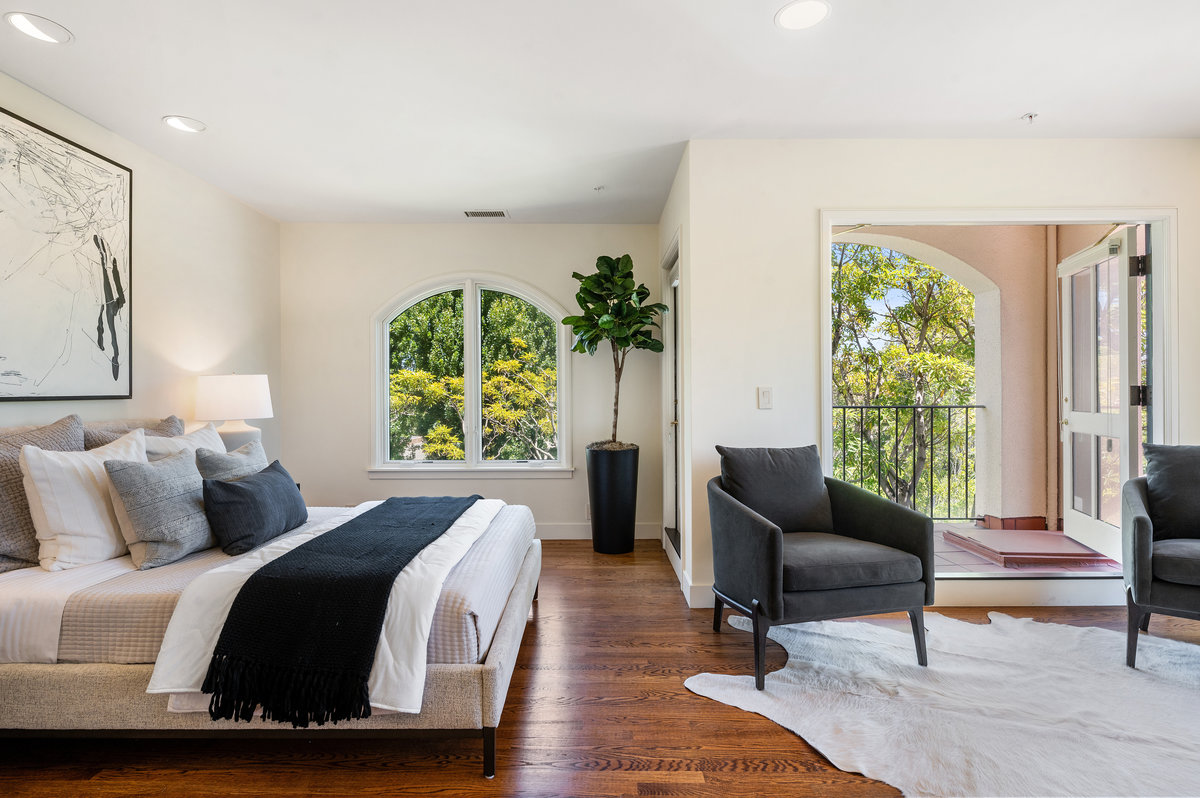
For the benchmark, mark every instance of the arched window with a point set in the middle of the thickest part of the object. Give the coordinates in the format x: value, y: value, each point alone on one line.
x: 472, y: 378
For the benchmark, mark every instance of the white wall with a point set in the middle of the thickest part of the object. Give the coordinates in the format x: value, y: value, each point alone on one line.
x: 335, y: 277
x: 754, y: 265
x: 205, y: 281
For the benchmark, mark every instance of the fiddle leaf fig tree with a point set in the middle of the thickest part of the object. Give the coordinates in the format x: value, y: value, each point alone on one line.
x: 614, y: 310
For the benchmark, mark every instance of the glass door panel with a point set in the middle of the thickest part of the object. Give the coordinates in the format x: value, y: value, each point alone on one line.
x: 1081, y: 473
x: 1108, y: 479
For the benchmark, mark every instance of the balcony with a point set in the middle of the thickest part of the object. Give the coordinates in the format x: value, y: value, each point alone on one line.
x: 921, y: 456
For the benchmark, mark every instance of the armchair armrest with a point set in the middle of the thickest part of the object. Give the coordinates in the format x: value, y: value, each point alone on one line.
x: 747, y: 552
x: 1137, y: 539
x: 858, y: 513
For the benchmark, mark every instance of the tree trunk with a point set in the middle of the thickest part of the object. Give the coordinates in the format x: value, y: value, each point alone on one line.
x: 618, y: 367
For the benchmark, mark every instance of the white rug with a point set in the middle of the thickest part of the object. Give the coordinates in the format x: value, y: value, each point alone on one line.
x: 1011, y: 708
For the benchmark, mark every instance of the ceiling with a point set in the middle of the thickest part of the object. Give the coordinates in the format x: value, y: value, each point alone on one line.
x: 417, y: 110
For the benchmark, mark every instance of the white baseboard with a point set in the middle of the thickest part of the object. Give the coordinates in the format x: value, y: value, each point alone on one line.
x: 643, y: 530
x: 987, y: 593
x: 1011, y: 592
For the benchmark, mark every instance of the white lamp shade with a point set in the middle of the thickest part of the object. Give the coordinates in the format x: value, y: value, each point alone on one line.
x: 228, y: 397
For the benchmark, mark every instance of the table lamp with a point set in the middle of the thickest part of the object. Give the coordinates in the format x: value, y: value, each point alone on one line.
x: 233, y: 398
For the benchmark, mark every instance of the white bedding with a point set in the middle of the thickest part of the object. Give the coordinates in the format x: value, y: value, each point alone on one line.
x: 398, y: 673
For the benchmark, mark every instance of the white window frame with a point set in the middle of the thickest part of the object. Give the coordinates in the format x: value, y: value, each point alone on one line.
x: 381, y: 467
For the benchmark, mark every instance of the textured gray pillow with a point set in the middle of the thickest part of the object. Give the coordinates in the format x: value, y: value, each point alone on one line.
x: 102, y: 433
x: 18, y: 539
x: 243, y: 461
x: 1173, y: 488
x: 785, y: 486
x: 160, y: 507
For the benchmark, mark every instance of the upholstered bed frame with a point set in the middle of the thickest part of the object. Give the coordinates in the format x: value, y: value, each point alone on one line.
x: 111, y: 700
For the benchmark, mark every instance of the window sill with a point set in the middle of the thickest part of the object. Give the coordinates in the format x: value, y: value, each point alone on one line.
x: 460, y: 472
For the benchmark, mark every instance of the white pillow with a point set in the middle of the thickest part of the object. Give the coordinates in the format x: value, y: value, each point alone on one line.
x: 70, y: 503
x: 207, y: 437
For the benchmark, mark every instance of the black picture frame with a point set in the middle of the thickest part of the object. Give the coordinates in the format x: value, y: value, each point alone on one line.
x: 66, y: 271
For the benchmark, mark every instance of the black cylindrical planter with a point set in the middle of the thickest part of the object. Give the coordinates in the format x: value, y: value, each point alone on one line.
x: 612, y: 490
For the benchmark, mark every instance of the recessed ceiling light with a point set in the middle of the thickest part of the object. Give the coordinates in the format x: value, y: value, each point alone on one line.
x: 802, y: 14
x: 185, y: 123
x: 40, y: 28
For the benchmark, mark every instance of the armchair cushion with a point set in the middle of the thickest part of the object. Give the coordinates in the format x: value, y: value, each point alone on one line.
x: 1173, y: 489
x: 1176, y: 560
x: 785, y: 486
x: 821, y: 561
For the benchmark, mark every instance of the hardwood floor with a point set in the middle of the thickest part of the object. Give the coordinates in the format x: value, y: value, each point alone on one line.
x: 597, y: 707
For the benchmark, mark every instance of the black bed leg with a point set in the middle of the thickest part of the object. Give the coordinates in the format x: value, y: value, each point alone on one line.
x: 489, y: 752
x: 718, y: 605
x: 536, y: 588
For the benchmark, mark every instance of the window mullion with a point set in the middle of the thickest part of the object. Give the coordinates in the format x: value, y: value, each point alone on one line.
x: 473, y: 368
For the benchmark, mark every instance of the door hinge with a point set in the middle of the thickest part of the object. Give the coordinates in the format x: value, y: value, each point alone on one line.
x: 1139, y: 265
x: 1139, y: 395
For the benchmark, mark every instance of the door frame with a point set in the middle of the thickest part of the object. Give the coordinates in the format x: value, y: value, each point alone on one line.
x: 675, y: 466
x: 1164, y: 227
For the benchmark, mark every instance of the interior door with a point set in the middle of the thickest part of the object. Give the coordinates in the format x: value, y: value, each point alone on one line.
x: 1102, y: 358
x: 671, y: 449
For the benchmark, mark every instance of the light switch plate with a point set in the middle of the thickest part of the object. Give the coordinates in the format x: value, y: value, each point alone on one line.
x: 765, y: 395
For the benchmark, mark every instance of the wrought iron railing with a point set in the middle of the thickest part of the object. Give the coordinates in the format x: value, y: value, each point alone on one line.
x: 922, y: 456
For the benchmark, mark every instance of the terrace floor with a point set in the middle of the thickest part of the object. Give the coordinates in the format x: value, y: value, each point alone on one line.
x: 950, y: 560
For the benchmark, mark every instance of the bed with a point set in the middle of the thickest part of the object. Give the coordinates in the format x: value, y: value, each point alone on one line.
x: 111, y: 630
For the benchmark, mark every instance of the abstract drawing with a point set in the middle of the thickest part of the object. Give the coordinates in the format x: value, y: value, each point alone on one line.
x: 65, y: 233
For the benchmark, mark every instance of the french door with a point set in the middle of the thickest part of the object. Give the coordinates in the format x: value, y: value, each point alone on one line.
x: 1105, y: 350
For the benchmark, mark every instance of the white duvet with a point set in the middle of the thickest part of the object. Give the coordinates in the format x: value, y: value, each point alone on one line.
x: 398, y: 674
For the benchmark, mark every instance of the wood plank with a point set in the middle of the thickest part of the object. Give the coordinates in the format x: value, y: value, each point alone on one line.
x: 597, y: 707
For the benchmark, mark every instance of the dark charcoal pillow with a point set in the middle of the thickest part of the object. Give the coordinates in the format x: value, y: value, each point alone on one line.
x: 1173, y: 487
x: 785, y: 486
x: 18, y: 539
x: 248, y: 512
x: 102, y: 433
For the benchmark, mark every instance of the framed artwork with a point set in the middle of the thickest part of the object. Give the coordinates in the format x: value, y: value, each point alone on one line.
x: 66, y: 224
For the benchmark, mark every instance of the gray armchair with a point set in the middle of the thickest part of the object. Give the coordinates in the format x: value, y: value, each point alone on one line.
x: 1160, y: 526
x: 790, y: 545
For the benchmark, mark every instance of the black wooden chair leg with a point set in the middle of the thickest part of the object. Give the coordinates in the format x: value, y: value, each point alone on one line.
x: 489, y: 752
x: 917, y: 617
x: 1145, y: 625
x: 718, y: 605
x: 761, y: 625
x: 1137, y: 617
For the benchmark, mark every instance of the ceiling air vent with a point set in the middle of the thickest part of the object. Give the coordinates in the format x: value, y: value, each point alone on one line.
x: 486, y: 214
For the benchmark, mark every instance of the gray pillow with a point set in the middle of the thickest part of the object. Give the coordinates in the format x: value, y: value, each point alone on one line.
x: 243, y: 461
x: 160, y: 508
x: 18, y: 539
x: 247, y: 512
x: 102, y: 433
x: 1173, y: 488
x: 785, y: 486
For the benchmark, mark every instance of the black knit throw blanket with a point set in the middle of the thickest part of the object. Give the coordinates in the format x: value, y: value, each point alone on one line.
x: 301, y: 635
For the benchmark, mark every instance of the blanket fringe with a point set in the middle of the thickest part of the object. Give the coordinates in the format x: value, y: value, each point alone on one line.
x: 289, y: 694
